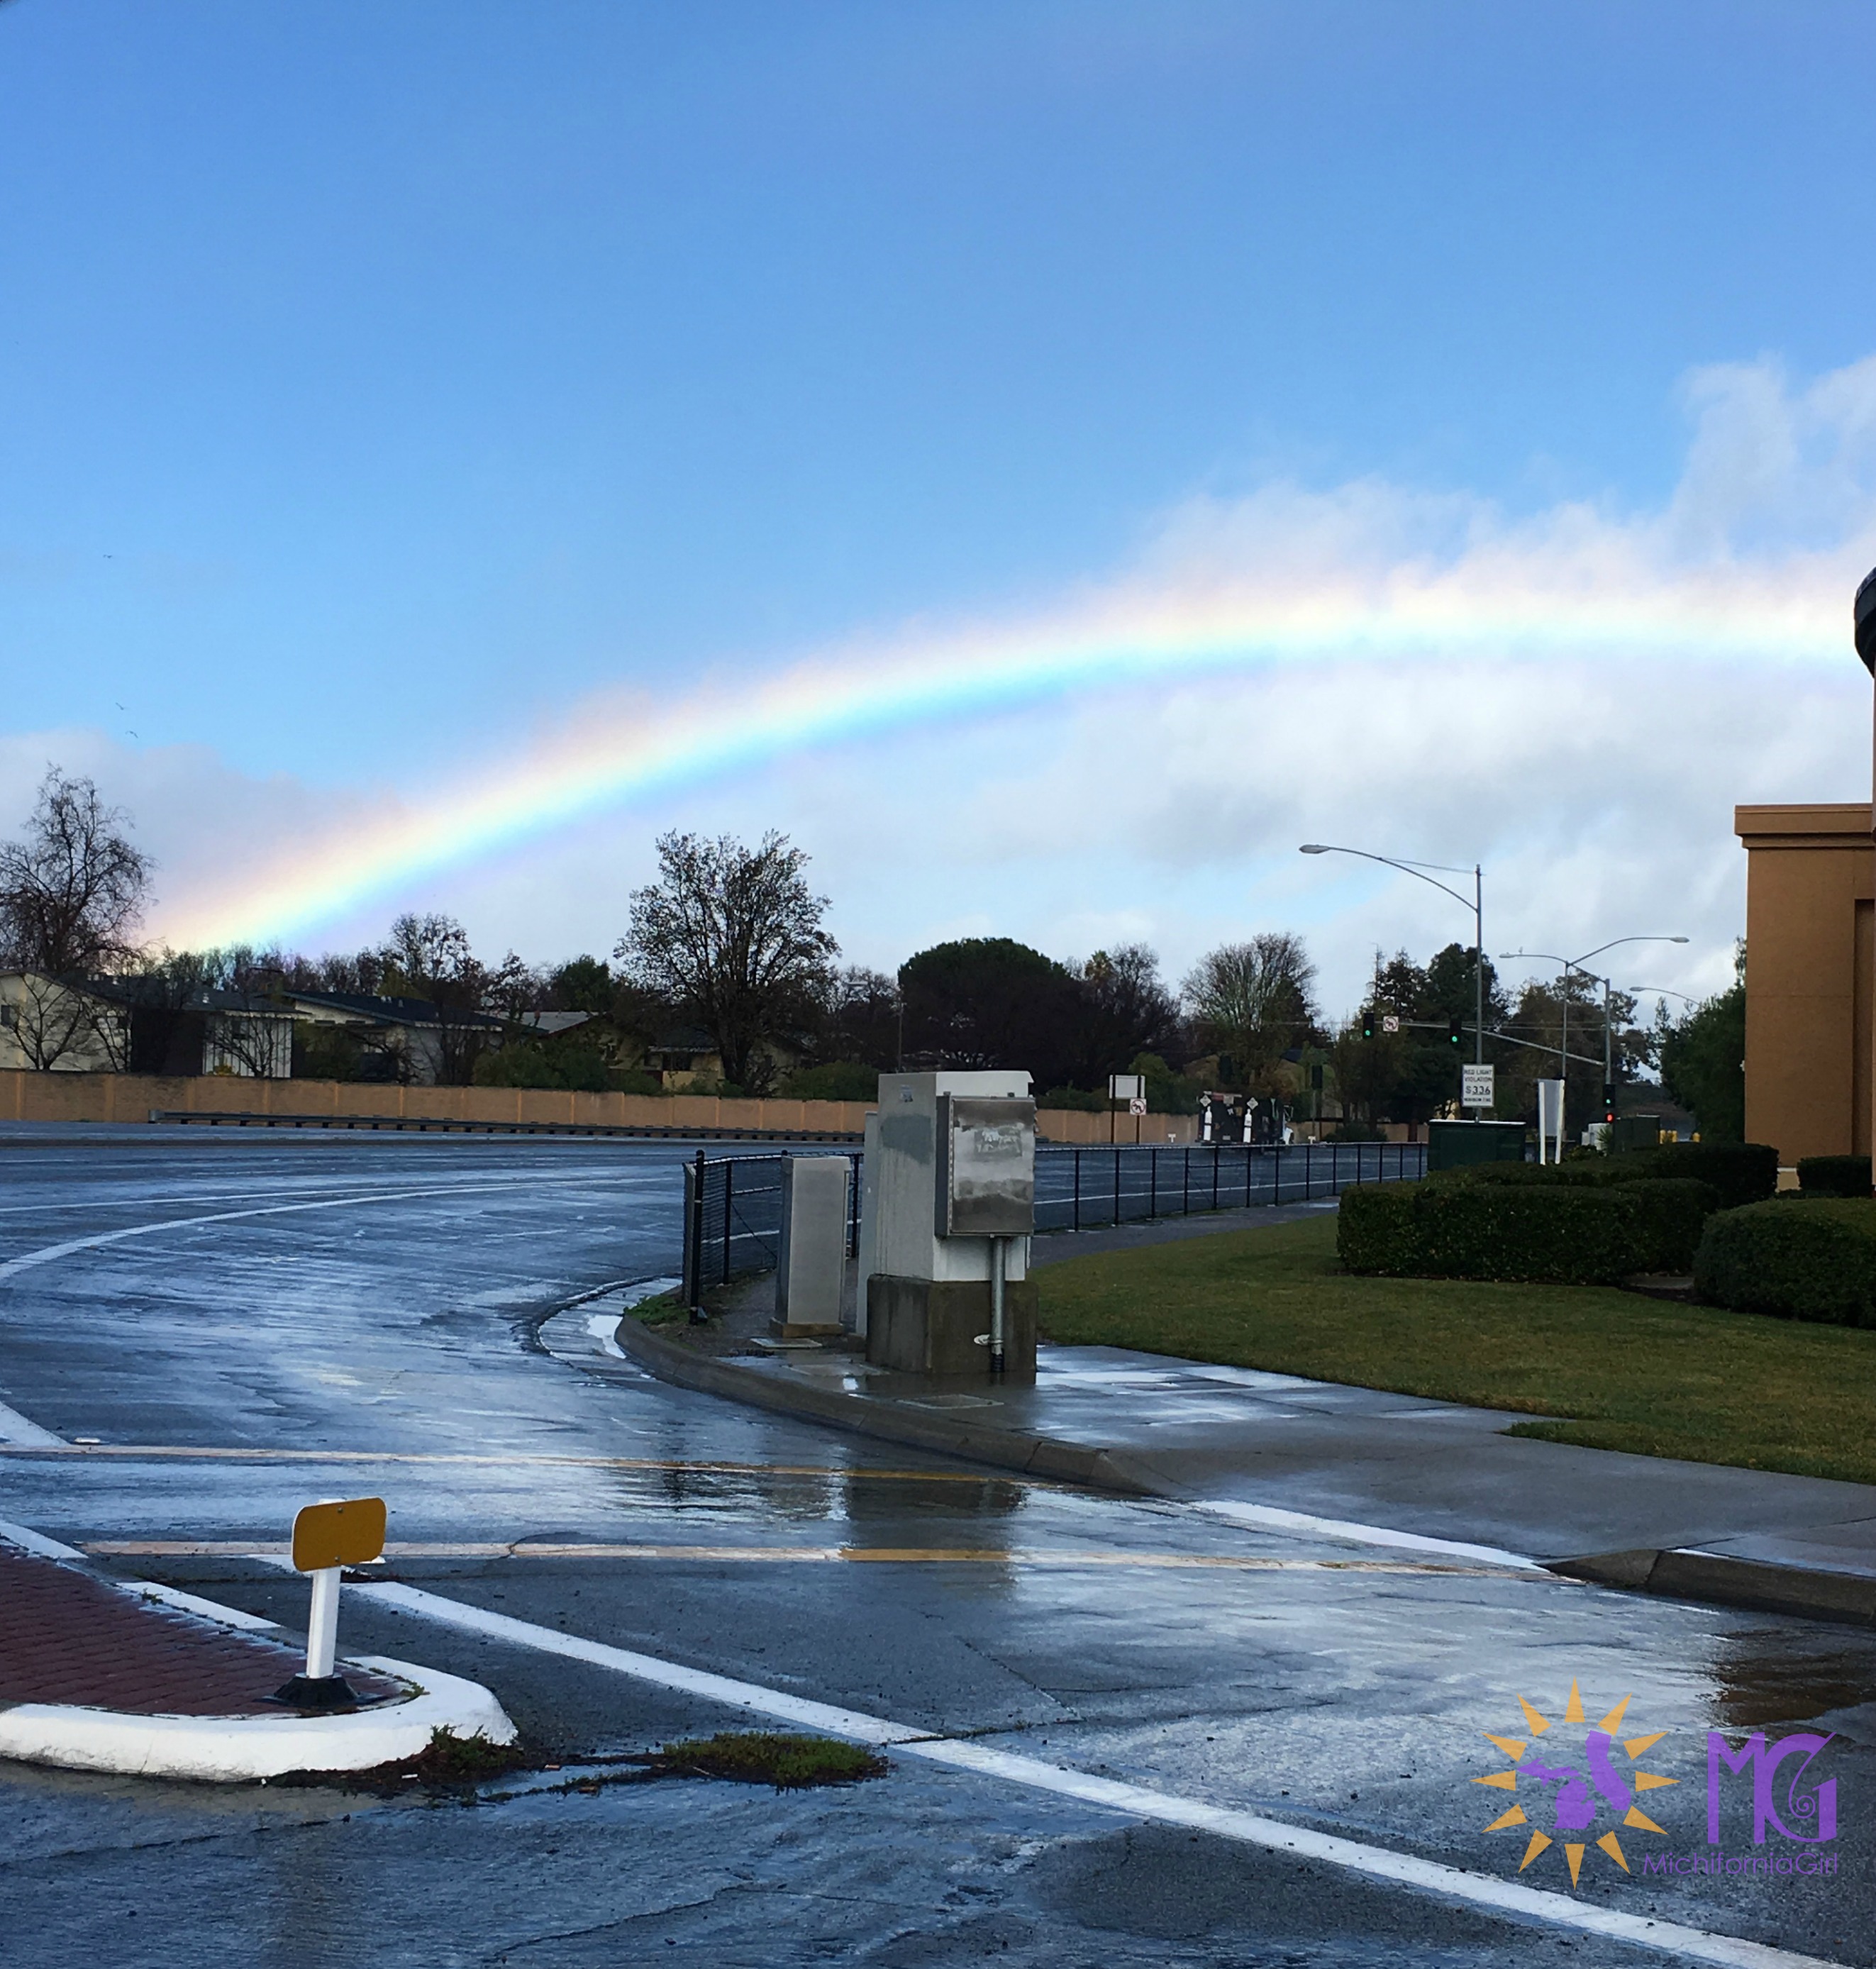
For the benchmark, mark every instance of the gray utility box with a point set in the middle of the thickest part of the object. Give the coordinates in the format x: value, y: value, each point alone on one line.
x: 986, y: 1185
x: 813, y: 1258
x: 950, y: 1166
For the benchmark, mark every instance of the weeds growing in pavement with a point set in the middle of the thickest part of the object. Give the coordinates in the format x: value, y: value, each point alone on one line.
x: 762, y: 1757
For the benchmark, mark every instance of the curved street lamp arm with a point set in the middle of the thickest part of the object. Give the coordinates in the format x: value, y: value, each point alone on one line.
x: 1614, y: 942
x: 1406, y: 868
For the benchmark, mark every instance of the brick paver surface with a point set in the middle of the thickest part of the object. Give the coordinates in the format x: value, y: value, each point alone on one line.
x: 67, y: 1636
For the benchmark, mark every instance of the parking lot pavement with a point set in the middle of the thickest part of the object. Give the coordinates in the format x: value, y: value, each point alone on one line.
x: 394, y: 1347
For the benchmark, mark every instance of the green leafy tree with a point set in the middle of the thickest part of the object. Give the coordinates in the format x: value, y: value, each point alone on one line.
x: 1703, y: 1060
x: 582, y: 984
x: 987, y: 1002
x: 1409, y: 1075
x: 1125, y: 1009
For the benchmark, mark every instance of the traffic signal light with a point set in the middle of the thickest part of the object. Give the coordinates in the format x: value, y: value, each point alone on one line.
x: 1455, y: 1031
x: 1608, y: 1100
x: 1368, y: 1025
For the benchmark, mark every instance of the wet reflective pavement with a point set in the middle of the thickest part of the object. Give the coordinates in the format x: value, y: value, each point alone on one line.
x: 423, y: 1335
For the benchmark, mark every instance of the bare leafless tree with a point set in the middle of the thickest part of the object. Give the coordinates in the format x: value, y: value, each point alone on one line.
x: 73, y: 890
x: 733, y: 935
x: 57, y: 1020
x: 430, y: 957
x: 1254, y: 1001
x: 71, y: 893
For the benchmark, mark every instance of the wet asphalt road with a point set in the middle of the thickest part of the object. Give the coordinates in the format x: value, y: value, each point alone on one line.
x: 403, y: 1316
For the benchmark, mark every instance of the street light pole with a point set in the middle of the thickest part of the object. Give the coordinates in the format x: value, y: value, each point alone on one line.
x: 1570, y: 964
x: 1477, y: 906
x: 1478, y: 964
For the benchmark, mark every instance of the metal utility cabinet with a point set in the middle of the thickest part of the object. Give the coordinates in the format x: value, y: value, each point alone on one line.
x: 947, y: 1210
x: 812, y: 1257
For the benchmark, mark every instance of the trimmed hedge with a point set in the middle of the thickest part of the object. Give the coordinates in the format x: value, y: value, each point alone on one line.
x: 1743, y: 1172
x: 1738, y: 1175
x: 1585, y: 1173
x: 1670, y: 1215
x: 1556, y: 1234
x: 1469, y: 1225
x: 1833, y: 1175
x: 1814, y: 1261
x: 1594, y: 1219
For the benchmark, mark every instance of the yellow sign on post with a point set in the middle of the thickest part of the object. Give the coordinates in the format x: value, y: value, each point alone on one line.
x: 351, y: 1532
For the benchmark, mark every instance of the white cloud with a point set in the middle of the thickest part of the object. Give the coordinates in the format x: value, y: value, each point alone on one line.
x: 1595, y: 782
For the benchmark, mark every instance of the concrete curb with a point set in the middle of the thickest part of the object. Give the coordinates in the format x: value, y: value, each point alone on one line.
x: 232, y: 1749
x: 1006, y: 1448
x: 1684, y: 1573
x: 1677, y: 1574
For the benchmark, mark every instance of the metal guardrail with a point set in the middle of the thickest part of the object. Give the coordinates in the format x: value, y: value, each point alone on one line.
x: 732, y: 1204
x: 425, y: 1124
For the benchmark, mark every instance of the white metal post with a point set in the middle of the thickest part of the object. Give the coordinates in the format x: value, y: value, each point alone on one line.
x: 322, y: 1631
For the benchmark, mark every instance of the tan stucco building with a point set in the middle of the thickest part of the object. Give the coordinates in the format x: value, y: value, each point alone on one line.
x: 1810, y: 960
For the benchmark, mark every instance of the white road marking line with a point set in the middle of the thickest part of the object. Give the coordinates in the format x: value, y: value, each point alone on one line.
x: 597, y: 1175
x: 837, y: 1722
x: 28, y: 1260
x: 28, y: 1540
x: 16, y: 1432
x: 36, y: 1542
x: 1069, y: 1558
x: 518, y: 1459
x: 1404, y: 1870
x: 1485, y: 1890
x: 1267, y: 1517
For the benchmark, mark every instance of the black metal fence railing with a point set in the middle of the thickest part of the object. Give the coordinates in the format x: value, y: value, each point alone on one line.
x: 1077, y: 1190
x: 732, y: 1217
x: 732, y: 1204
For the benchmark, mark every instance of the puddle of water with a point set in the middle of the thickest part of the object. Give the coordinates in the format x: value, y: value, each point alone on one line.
x: 1754, y: 1687
x: 601, y: 1326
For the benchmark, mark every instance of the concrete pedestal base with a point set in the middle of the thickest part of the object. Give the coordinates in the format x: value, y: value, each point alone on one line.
x: 916, y: 1326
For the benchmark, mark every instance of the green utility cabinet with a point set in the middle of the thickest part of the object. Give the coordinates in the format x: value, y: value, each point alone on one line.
x: 1635, y: 1131
x: 1458, y: 1144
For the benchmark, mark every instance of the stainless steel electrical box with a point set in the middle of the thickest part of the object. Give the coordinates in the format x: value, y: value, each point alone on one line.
x: 986, y: 1166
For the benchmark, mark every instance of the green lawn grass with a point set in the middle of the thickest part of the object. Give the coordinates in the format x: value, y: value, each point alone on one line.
x: 1610, y: 1368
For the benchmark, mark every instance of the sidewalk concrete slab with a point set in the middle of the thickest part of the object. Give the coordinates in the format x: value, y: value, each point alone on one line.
x: 1235, y: 1440
x: 105, y: 1674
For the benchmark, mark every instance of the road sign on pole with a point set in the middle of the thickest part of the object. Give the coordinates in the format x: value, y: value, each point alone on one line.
x: 1475, y: 1087
x: 327, y: 1537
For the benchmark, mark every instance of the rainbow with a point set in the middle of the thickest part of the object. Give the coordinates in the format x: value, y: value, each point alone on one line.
x: 1496, y: 604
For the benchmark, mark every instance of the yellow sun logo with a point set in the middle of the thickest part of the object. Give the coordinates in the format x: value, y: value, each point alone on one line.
x: 1584, y: 1789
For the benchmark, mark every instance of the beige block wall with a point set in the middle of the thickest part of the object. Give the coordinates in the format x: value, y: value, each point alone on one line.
x: 125, y: 1097
x: 1810, y: 955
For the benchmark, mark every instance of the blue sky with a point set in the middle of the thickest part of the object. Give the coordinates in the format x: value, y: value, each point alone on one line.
x: 378, y: 383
